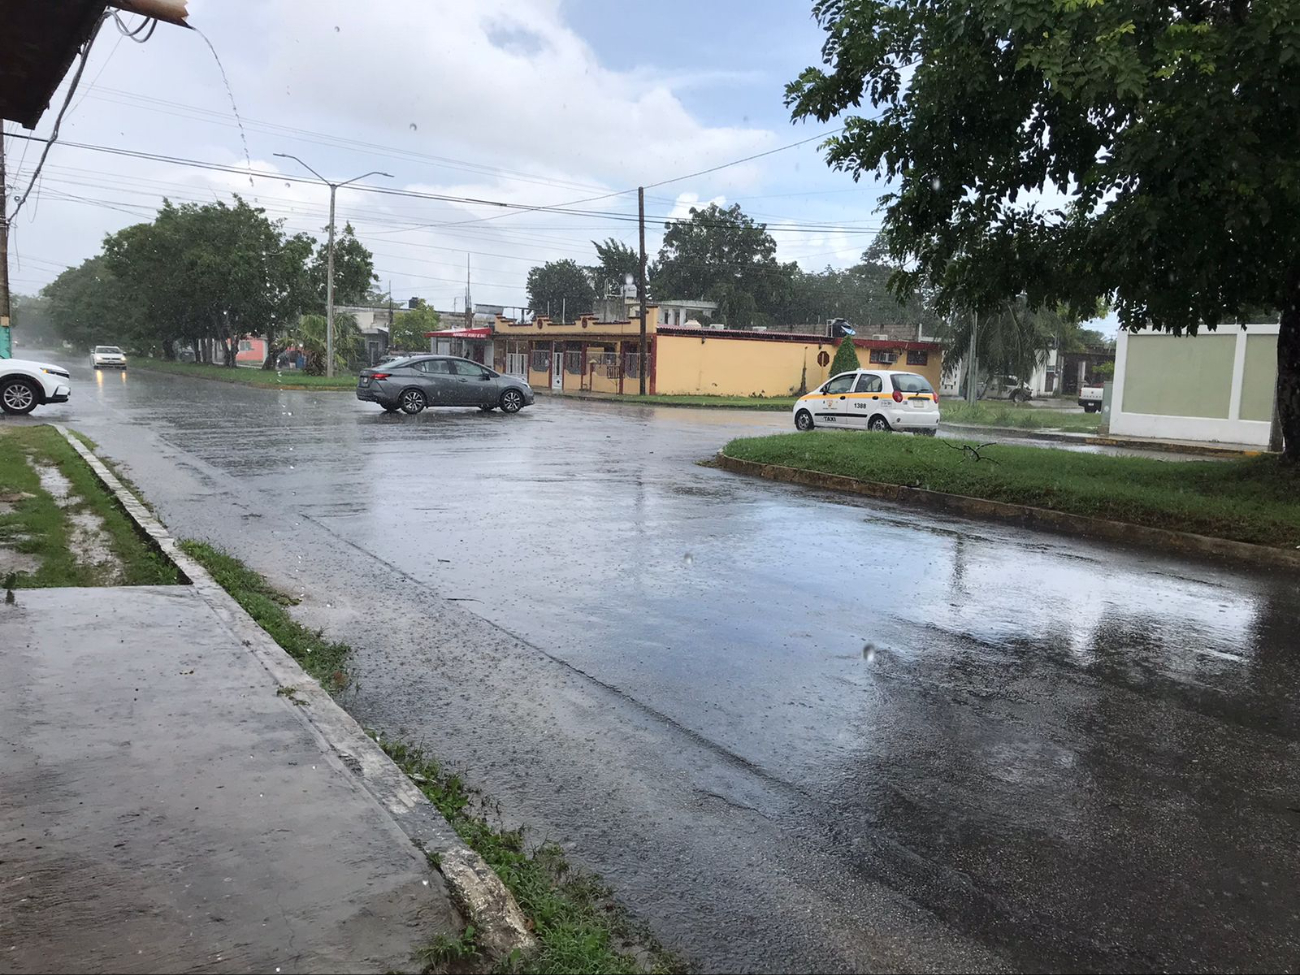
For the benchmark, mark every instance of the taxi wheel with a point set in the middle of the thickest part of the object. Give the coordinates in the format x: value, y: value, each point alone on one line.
x: 879, y: 424
x: 803, y: 420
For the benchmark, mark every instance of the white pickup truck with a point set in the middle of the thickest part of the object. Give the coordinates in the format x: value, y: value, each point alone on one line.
x: 1090, y: 397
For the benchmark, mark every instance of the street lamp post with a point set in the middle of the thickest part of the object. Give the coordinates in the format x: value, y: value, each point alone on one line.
x: 329, y: 267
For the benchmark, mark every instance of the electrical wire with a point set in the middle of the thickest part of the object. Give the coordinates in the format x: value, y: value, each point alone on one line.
x: 58, y: 120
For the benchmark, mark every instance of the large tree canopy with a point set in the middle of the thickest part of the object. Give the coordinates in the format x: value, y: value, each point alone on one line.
x: 560, y: 290
x: 725, y: 256
x: 1071, y: 150
x: 616, y: 262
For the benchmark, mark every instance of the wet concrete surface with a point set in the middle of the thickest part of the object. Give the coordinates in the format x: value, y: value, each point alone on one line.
x: 163, y: 809
x: 793, y: 730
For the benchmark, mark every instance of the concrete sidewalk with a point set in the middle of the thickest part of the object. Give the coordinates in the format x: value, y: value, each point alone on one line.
x: 165, y: 808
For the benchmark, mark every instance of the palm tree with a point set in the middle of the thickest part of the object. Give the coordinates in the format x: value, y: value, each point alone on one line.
x: 311, y: 337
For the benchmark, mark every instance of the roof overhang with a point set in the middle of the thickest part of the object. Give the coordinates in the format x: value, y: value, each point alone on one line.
x: 41, y: 39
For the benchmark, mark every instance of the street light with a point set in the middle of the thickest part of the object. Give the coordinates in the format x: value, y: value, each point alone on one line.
x: 329, y: 270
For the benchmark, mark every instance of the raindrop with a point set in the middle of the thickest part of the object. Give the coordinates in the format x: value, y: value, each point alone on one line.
x: 688, y: 558
x: 336, y: 30
x: 290, y: 467
x: 935, y: 184
x: 414, y: 127
x: 329, y: 605
x: 869, y: 653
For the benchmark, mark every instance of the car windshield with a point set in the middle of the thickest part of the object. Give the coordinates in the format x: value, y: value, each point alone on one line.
x: 108, y: 348
x: 910, y: 382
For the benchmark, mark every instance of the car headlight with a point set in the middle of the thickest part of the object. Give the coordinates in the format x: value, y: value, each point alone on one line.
x: 55, y: 372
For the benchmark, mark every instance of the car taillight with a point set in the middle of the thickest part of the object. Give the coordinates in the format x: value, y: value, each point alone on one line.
x: 380, y: 375
x: 898, y: 396
x: 936, y: 397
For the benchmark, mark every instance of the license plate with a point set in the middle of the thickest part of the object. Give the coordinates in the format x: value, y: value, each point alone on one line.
x: 920, y: 404
x: 365, y: 380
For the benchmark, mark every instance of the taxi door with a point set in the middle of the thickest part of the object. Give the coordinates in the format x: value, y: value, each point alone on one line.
x: 835, y: 407
x: 865, y: 399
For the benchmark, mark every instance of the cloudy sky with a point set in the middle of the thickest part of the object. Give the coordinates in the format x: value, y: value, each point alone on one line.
x: 537, y: 102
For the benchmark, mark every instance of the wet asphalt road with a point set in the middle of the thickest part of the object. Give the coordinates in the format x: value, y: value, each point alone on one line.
x: 794, y: 731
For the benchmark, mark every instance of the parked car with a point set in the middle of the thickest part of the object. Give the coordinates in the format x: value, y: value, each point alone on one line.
x: 1006, y: 387
x: 417, y: 382
x: 1090, y: 396
x: 108, y: 357
x: 25, y: 385
x: 870, y: 399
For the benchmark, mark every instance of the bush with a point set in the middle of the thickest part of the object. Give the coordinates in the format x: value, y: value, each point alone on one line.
x: 846, y: 357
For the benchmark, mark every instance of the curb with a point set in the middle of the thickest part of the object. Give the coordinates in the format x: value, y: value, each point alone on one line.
x: 1025, y: 515
x: 472, y: 883
x: 1096, y: 439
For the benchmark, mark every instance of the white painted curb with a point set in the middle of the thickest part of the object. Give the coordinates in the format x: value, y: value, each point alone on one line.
x: 500, y: 924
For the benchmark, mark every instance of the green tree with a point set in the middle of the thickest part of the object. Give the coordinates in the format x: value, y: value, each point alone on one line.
x: 560, y: 290
x: 409, y: 331
x: 616, y: 262
x: 32, y: 324
x: 1167, y: 129
x: 723, y: 255
x: 311, y: 336
x: 846, y: 357
x: 354, y: 270
x: 86, y: 306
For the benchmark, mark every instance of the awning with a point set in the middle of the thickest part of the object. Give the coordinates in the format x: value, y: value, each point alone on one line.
x: 460, y: 333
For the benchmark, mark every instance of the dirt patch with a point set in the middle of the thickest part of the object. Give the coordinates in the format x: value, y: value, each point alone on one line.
x: 11, y: 562
x: 88, y: 540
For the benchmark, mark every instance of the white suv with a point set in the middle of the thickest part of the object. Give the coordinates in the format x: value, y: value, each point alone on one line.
x: 108, y: 356
x: 871, y: 399
x: 25, y: 385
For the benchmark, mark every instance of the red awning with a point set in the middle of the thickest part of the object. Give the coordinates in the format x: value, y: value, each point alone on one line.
x: 461, y: 333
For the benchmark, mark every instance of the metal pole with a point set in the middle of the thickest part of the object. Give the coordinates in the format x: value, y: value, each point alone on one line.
x: 972, y: 378
x: 640, y: 284
x: 6, y: 340
x: 329, y: 293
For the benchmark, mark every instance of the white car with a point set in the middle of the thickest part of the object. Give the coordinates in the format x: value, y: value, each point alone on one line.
x: 1091, y: 396
x: 108, y: 357
x: 25, y: 385
x: 871, y: 399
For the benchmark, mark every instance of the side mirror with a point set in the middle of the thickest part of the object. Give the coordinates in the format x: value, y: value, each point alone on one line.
x: 486, y: 376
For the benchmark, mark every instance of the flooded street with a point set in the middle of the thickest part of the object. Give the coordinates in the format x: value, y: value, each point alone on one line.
x: 792, y: 730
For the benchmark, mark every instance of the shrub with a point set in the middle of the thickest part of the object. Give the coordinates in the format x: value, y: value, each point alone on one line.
x: 846, y: 357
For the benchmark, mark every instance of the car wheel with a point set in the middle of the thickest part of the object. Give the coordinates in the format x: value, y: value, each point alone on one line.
x: 879, y: 424
x: 19, y: 397
x: 803, y: 420
x: 413, y: 401
x: 512, y: 401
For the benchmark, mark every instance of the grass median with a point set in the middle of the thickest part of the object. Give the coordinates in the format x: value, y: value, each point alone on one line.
x: 1253, y: 500
x: 59, y: 525
x: 986, y: 414
x: 579, y: 927
x: 245, y: 375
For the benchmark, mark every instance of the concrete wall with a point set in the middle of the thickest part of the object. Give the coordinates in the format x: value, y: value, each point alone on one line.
x: 1216, y: 386
x: 701, y: 364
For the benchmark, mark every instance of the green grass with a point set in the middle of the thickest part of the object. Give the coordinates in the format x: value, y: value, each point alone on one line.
x: 39, y: 526
x: 1000, y: 414
x: 1252, y: 500
x: 578, y: 925
x: 244, y: 375
x: 324, y: 659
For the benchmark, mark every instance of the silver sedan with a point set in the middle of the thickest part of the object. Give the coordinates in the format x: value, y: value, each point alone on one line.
x: 417, y: 382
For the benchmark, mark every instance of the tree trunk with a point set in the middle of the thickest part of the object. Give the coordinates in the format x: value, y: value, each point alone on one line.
x: 1288, y: 377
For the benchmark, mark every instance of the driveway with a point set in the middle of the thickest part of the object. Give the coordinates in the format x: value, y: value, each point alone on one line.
x: 793, y: 730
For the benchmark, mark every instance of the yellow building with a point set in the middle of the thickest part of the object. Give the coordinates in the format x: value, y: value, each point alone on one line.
x: 603, y: 357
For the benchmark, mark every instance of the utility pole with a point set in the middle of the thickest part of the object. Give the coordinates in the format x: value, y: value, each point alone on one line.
x: 972, y: 377
x: 640, y: 282
x: 6, y: 340
x: 469, y: 307
x: 329, y: 269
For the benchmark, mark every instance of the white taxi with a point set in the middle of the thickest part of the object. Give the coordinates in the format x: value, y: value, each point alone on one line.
x: 871, y: 399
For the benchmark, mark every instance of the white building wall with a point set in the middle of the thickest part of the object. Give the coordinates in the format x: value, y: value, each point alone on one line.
x: 1229, y: 429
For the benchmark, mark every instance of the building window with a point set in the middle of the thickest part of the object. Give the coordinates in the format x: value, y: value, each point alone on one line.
x: 541, y: 360
x: 915, y: 358
x: 573, y: 363
x: 884, y: 357
x: 245, y: 345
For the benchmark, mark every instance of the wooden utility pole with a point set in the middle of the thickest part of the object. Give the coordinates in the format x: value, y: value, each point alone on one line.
x: 972, y: 377
x: 640, y: 284
x: 6, y: 333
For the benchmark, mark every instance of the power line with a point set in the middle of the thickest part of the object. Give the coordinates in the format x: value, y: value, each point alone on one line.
x: 737, y: 162
x: 58, y: 119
